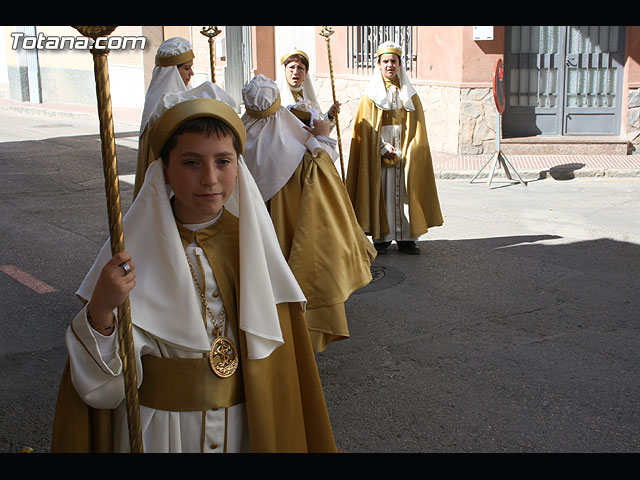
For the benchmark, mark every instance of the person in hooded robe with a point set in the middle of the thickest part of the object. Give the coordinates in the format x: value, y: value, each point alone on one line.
x: 390, y: 176
x: 297, y: 92
x: 313, y: 218
x: 172, y: 72
x: 222, y: 354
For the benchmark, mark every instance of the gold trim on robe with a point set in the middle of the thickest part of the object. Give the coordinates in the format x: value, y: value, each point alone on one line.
x: 145, y: 158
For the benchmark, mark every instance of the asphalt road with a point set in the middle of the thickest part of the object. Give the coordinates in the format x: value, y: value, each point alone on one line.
x: 515, y: 330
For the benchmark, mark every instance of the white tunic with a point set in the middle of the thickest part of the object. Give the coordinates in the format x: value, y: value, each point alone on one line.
x: 393, y: 178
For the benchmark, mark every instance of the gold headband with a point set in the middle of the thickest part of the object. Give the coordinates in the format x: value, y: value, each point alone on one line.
x: 267, y: 112
x: 166, y: 61
x: 171, y: 119
x: 389, y: 49
x: 294, y: 52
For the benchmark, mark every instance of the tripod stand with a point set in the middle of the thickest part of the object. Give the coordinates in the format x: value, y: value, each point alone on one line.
x: 499, y: 158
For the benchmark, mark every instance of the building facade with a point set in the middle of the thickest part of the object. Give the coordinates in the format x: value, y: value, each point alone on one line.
x: 567, y: 89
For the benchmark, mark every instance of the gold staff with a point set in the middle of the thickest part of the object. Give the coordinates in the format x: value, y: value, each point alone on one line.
x: 112, y: 187
x: 211, y: 33
x: 326, y: 32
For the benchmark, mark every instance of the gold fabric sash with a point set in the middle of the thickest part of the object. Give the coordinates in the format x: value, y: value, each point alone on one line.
x: 187, y: 384
x: 304, y: 117
x: 166, y: 61
x: 267, y: 112
x: 393, y: 117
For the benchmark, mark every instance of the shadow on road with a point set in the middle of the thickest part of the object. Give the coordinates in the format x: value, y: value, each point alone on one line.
x: 505, y: 344
x: 562, y: 172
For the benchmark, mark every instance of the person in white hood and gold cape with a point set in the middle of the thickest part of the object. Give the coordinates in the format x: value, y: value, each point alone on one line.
x: 173, y: 54
x: 202, y: 272
x: 390, y: 175
x: 311, y: 212
x: 297, y: 93
x: 172, y: 73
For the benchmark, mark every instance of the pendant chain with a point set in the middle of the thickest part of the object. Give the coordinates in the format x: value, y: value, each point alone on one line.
x: 223, y: 356
x: 217, y: 327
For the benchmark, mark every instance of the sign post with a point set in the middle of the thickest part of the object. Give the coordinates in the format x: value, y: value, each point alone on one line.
x: 499, y: 158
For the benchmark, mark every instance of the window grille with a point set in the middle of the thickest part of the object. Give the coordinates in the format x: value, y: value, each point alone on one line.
x: 363, y: 41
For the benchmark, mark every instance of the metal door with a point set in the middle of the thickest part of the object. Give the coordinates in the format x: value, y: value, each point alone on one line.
x: 563, y: 80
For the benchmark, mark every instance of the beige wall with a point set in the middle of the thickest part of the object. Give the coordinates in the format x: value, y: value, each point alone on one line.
x: 264, y: 50
x: 632, y: 66
x: 446, y: 55
x: 440, y: 50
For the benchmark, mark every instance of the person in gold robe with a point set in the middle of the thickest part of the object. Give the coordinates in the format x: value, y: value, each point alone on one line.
x: 390, y: 176
x: 172, y: 73
x: 297, y: 92
x: 223, y: 357
x: 313, y: 218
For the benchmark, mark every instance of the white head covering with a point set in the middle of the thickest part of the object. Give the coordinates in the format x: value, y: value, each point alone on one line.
x: 376, y: 89
x: 164, y: 301
x: 165, y: 77
x: 206, y: 89
x: 310, y: 103
x: 276, y: 139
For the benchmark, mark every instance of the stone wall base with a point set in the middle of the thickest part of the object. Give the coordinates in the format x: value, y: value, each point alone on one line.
x: 459, y: 120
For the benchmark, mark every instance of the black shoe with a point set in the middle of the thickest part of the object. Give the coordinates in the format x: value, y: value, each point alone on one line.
x: 381, y: 247
x: 409, y: 247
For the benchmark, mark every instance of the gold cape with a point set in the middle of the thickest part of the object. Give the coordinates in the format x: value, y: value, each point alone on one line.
x: 323, y: 243
x: 286, y: 409
x: 145, y: 158
x: 364, y: 177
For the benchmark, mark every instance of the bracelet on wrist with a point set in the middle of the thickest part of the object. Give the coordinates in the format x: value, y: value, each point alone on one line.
x: 104, y: 330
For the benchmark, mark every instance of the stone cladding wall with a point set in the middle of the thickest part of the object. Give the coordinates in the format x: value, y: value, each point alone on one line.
x: 459, y: 120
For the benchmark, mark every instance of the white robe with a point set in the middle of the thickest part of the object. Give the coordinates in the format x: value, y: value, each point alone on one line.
x: 393, y: 178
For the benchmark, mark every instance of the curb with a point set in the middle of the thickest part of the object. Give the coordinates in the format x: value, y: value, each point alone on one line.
x: 127, y: 116
x: 534, y: 175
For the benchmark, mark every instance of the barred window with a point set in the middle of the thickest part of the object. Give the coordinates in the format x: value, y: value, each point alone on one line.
x: 363, y: 41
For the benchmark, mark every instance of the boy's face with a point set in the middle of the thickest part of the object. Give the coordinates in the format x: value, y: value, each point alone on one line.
x: 295, y: 72
x: 202, y: 172
x: 389, y: 64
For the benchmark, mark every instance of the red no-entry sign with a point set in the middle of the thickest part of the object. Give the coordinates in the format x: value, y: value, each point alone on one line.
x: 498, y: 86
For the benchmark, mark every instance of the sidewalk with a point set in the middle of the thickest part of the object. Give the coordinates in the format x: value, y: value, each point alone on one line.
x: 121, y: 115
x: 445, y: 165
x: 534, y: 167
